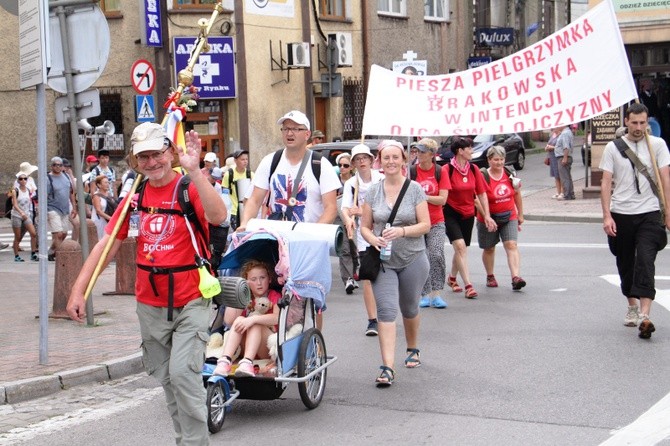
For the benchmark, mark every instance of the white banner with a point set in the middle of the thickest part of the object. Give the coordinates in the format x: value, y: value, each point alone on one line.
x: 578, y: 72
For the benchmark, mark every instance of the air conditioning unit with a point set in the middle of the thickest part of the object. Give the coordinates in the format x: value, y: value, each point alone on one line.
x: 298, y: 54
x: 345, y: 52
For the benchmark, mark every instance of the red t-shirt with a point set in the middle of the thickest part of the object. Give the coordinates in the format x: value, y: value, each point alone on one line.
x: 273, y: 296
x: 464, y: 188
x: 168, y: 240
x: 501, y: 196
x: 427, y: 181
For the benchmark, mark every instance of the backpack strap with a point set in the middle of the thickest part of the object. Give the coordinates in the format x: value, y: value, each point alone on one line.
x: 438, y: 172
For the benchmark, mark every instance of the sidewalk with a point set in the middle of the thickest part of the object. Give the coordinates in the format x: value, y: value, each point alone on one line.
x: 110, y: 349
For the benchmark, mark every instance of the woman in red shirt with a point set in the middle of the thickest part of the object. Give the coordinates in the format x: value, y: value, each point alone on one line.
x: 506, y: 208
x: 459, y: 211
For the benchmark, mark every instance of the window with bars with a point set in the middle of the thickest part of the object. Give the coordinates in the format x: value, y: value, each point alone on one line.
x: 353, y: 96
x: 333, y: 9
x: 395, y: 7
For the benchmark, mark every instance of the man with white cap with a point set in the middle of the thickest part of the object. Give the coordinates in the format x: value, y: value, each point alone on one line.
x: 171, y: 309
x: 312, y: 199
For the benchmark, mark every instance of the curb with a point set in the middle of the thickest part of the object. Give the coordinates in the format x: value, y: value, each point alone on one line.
x: 584, y: 218
x: 30, y: 388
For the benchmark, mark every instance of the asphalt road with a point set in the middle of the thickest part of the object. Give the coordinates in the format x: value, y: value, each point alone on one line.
x: 552, y: 365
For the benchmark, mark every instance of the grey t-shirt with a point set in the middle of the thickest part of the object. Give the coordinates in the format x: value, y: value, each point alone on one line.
x: 58, y: 194
x: 404, y: 249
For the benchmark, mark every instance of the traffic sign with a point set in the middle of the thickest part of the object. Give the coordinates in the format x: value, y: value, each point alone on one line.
x: 143, y: 77
x: 88, y: 56
x: 144, y: 108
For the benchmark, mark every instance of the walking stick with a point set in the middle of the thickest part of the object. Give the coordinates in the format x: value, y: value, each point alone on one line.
x: 185, y: 79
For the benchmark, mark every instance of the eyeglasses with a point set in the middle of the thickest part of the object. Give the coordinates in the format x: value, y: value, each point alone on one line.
x: 23, y: 179
x: 156, y: 156
x: 292, y: 130
x: 56, y: 165
x: 345, y: 166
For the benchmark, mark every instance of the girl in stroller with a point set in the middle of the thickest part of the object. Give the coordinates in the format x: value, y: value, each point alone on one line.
x: 251, y: 325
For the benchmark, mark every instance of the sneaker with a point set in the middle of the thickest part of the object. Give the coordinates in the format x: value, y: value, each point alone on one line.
x: 632, y: 316
x: 246, y: 368
x: 518, y: 283
x: 223, y: 367
x: 424, y: 302
x: 557, y: 196
x: 372, y: 328
x: 18, y: 258
x: 4, y: 246
x: 438, y: 302
x: 646, y: 327
x: 350, y: 286
x: 51, y: 257
x: 491, y: 281
x: 34, y: 257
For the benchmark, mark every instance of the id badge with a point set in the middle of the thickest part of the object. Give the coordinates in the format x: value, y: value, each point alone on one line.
x: 134, y: 224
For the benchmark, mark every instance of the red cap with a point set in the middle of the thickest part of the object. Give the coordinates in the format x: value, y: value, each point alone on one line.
x: 91, y: 159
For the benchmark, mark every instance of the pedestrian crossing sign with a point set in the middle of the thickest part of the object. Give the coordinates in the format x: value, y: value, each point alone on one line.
x: 144, y: 108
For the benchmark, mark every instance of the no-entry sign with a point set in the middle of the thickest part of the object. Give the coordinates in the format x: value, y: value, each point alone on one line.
x: 143, y: 77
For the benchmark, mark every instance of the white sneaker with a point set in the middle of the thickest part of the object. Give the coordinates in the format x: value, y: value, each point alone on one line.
x: 557, y: 196
x: 632, y: 316
x: 350, y: 286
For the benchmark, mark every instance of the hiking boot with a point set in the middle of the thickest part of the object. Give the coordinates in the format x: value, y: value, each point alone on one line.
x: 646, y: 327
x: 518, y: 283
x: 424, y: 302
x: 438, y: 302
x: 372, y: 328
x: 350, y: 286
x: 491, y: 281
x: 632, y: 316
x: 246, y: 368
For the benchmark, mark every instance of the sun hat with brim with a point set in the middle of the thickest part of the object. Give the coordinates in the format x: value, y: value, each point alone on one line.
x: 147, y: 137
x: 26, y: 168
x: 360, y: 149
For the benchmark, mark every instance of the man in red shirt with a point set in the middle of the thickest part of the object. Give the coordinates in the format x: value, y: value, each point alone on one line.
x: 172, y: 313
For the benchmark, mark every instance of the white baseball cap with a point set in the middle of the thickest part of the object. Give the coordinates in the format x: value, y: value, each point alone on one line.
x: 296, y: 116
x: 210, y: 157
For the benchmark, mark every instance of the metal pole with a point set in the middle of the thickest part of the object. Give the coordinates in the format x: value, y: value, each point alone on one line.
x: 42, y: 223
x: 76, y: 147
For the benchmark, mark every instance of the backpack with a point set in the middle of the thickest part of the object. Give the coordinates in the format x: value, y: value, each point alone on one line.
x: 316, y: 167
x: 9, y: 204
x: 111, y: 205
x: 187, y: 210
x: 231, y: 174
x: 438, y: 172
x: 510, y: 173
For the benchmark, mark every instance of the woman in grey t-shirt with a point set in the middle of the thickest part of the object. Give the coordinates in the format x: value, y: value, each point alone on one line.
x: 399, y: 283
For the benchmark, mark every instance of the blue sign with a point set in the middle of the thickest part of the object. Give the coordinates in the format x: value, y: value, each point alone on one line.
x: 495, y: 36
x: 474, y: 62
x: 144, y: 108
x: 153, y: 34
x: 214, y: 74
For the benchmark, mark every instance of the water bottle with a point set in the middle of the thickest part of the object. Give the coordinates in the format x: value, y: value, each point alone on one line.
x: 385, y: 253
x: 225, y: 195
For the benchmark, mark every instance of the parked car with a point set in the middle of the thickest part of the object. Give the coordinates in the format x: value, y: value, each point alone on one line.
x: 515, y: 151
x: 331, y: 149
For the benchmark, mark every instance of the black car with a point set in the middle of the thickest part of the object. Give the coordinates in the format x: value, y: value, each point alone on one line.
x: 515, y: 151
x: 331, y: 149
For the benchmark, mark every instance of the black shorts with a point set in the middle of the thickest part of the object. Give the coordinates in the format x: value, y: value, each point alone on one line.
x: 458, y: 227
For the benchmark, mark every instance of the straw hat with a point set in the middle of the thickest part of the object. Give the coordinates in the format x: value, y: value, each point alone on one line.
x: 26, y: 168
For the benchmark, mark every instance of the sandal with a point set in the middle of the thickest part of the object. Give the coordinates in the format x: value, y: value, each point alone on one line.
x: 412, y: 361
x: 470, y: 292
x: 453, y: 283
x: 386, y: 377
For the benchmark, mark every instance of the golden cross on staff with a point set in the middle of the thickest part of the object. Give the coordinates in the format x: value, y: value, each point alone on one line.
x: 185, y: 79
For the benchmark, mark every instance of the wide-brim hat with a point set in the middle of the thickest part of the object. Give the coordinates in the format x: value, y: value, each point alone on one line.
x: 26, y: 168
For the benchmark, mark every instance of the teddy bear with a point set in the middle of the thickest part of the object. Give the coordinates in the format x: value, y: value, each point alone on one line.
x: 261, y: 306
